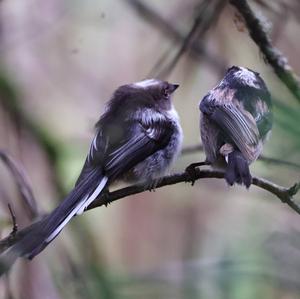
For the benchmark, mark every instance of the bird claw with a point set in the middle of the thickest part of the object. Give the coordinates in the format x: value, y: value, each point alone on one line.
x: 192, y: 172
x: 152, y: 185
x: 106, y: 195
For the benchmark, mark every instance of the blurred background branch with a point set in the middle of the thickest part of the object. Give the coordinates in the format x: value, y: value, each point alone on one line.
x: 192, y: 149
x: 25, y: 191
x: 12, y: 104
x: 195, y: 46
x: 59, y: 61
x: 279, y: 63
x: 207, y: 15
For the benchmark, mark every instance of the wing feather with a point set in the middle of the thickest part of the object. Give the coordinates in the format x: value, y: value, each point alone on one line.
x: 140, y: 144
x: 119, y: 146
x: 238, y: 125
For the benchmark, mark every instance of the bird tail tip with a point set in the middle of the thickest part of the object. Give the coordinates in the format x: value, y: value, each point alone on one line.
x: 237, y: 170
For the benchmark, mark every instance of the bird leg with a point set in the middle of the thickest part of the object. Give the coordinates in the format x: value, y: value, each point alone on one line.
x: 105, y: 194
x: 191, y: 170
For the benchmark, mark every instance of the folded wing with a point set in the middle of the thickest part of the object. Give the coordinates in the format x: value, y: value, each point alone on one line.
x: 238, y: 125
x: 118, y: 147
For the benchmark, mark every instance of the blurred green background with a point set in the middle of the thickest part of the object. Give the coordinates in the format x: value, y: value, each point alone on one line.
x: 60, y: 60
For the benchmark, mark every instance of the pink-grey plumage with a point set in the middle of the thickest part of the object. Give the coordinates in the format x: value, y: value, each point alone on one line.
x: 236, y: 117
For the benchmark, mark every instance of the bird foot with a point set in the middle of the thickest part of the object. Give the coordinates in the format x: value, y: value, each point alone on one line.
x: 153, y: 184
x: 106, y: 197
x: 191, y: 171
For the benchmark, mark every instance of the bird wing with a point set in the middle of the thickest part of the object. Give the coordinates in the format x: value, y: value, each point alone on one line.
x: 142, y: 141
x: 119, y: 146
x: 95, y: 156
x: 237, y: 124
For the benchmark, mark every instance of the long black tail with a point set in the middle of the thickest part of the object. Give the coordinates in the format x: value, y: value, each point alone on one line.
x: 41, y: 233
x: 237, y: 170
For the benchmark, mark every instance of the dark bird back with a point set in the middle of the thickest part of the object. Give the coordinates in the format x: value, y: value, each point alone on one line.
x: 137, y: 139
x: 236, y: 117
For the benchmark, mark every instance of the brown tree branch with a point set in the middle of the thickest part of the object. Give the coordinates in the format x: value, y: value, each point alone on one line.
x: 283, y: 193
x: 272, y: 55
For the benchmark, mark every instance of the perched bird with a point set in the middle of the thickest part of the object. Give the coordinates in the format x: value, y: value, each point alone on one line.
x: 236, y: 118
x: 137, y: 139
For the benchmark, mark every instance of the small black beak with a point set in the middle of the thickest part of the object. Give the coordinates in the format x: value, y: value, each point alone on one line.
x: 173, y: 87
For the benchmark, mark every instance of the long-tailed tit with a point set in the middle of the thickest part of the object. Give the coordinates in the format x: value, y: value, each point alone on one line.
x: 137, y: 139
x: 235, y: 120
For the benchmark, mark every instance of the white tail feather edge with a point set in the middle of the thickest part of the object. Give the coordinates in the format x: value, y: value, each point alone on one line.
x: 226, y: 159
x: 79, y: 209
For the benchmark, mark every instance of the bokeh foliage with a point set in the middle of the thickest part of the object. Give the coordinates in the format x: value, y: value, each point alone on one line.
x: 60, y: 61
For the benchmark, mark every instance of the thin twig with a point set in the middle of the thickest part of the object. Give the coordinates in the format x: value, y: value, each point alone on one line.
x: 191, y: 149
x: 207, y: 15
x: 23, y: 185
x: 14, y: 220
x: 284, y: 194
x: 272, y: 55
x: 198, y: 23
x: 276, y: 161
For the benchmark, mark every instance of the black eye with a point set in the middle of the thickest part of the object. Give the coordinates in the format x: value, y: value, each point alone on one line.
x: 166, y: 92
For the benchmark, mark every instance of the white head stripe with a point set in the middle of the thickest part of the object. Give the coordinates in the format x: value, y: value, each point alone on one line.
x: 146, y: 83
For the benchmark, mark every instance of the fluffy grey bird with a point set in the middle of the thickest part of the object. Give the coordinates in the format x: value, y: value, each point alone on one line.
x: 235, y: 120
x: 137, y: 139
